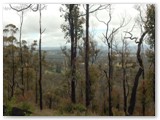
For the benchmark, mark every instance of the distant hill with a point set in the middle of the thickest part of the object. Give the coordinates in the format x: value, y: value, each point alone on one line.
x: 51, y: 48
x: 133, y: 48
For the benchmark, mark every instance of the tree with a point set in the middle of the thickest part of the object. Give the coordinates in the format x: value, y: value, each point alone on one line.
x: 21, y: 54
x: 140, y: 71
x: 21, y: 9
x: 108, y: 40
x: 40, y: 58
x: 73, y: 32
x: 11, y: 30
x: 150, y: 27
x: 88, y: 84
x: 124, y: 55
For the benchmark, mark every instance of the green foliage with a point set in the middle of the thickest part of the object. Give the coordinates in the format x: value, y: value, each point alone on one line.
x: 72, y: 109
x: 151, y: 55
x: 77, y: 20
x: 9, y: 106
x: 94, y: 76
x: 150, y: 24
x: 25, y: 106
x: 149, y: 84
x: 80, y: 108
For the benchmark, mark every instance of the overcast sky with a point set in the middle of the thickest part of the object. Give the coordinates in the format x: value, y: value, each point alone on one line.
x: 51, y: 21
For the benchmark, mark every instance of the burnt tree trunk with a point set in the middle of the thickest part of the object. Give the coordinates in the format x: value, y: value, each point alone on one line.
x: 154, y: 77
x: 13, y: 72
x: 87, y: 58
x: 40, y: 63
x: 143, y: 98
x: 109, y: 83
x: 27, y: 67
x: 124, y: 85
x: 124, y: 77
x: 73, y: 71
x: 21, y: 54
x: 36, y: 87
x: 139, y: 73
x: 50, y: 103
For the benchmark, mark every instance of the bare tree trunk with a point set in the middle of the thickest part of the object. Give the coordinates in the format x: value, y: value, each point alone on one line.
x: 143, y: 98
x: 124, y: 76
x: 124, y: 85
x: 21, y: 53
x: 73, y: 79
x: 87, y: 58
x: 139, y: 73
x: 50, y: 103
x: 154, y: 76
x: 36, y: 90
x: 8, y: 90
x: 40, y: 62
x: 27, y: 80
x: 13, y: 73
x: 109, y: 83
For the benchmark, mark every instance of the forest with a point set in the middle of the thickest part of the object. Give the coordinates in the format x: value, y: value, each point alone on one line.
x: 94, y: 60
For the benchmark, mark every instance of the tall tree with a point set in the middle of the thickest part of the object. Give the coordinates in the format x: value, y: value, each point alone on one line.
x: 40, y: 59
x: 21, y: 10
x: 21, y: 54
x: 74, y: 32
x: 150, y: 27
x: 88, y: 84
x: 12, y: 29
x: 140, y: 71
x: 108, y: 40
x: 124, y: 55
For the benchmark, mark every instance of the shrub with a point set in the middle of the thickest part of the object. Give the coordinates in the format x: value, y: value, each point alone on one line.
x: 80, y: 108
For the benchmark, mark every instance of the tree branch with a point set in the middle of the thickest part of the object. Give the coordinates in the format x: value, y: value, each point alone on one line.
x: 18, y: 10
x: 43, y: 31
x: 100, y: 7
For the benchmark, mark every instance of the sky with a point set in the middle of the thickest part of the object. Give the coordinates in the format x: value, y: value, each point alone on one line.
x: 51, y: 21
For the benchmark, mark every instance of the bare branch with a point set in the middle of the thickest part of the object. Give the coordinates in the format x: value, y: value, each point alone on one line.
x: 115, y: 30
x: 140, y: 12
x: 100, y: 20
x: 106, y: 74
x: 18, y: 10
x: 91, y: 5
x: 43, y: 31
x: 35, y: 9
x: 108, y: 23
x: 132, y: 27
x: 84, y: 7
x: 131, y: 36
x: 100, y: 7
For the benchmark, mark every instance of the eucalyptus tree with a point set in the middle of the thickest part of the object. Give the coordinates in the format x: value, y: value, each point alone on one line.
x: 11, y: 43
x: 108, y: 41
x: 35, y: 8
x: 23, y: 8
x: 141, y: 71
x: 73, y: 32
x: 150, y: 27
x: 89, y: 9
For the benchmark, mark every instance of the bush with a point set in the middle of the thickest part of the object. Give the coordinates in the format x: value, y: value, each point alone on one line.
x: 68, y: 108
x: 25, y: 106
x: 80, y: 108
x: 7, y: 110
